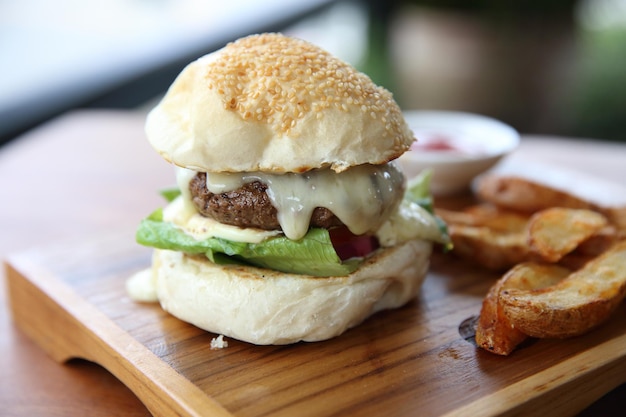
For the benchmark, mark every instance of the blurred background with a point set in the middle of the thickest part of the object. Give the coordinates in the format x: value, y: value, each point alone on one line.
x: 555, y: 67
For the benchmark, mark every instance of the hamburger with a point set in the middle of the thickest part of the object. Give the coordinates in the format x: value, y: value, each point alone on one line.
x: 290, y: 221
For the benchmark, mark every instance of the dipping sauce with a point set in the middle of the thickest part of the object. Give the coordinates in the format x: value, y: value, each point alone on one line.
x: 456, y: 146
x: 431, y: 141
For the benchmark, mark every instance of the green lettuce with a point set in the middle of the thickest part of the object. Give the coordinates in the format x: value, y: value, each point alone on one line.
x: 418, y: 191
x: 312, y: 255
x: 170, y: 194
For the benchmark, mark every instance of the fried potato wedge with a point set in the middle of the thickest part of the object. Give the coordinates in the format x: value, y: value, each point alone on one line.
x: 486, y: 215
x: 555, y: 232
x: 617, y: 216
x: 573, y: 306
x: 498, y: 238
x: 525, y: 195
x: 494, y: 331
x: 492, y: 249
x: 532, y: 226
x: 488, y: 235
x: 599, y: 242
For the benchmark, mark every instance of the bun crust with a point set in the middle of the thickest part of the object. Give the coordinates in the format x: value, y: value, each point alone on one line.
x: 275, y: 104
x: 267, y: 307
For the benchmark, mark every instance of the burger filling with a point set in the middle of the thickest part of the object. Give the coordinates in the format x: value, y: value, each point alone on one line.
x: 361, y: 198
x: 247, y: 206
x: 319, y: 223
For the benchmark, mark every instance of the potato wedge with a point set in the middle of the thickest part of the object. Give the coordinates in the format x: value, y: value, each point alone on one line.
x: 488, y: 235
x: 495, y: 250
x: 588, y: 249
x: 555, y: 232
x: 494, y: 331
x: 514, y: 192
x: 486, y: 215
x: 617, y: 216
x: 498, y: 238
x: 599, y: 242
x: 522, y: 194
x: 497, y: 218
x: 575, y: 305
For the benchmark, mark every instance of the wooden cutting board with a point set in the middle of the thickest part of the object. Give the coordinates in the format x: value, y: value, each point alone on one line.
x: 71, y: 300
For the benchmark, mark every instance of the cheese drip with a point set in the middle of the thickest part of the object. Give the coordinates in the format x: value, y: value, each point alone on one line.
x: 362, y: 197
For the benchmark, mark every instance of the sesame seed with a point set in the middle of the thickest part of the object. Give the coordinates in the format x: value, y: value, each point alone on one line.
x: 273, y: 75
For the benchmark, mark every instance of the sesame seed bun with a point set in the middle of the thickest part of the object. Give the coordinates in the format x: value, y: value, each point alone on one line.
x: 278, y: 105
x: 275, y: 104
x: 264, y: 307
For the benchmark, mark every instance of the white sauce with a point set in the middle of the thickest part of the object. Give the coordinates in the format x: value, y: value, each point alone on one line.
x: 183, y: 214
x: 410, y: 221
x: 141, y: 287
x: 361, y: 197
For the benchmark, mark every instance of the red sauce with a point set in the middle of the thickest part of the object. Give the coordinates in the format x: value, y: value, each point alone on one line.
x: 438, y: 142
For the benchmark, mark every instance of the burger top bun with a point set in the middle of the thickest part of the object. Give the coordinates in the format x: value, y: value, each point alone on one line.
x: 275, y: 104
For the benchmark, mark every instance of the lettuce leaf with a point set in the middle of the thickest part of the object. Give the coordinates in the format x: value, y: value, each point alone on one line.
x: 418, y: 191
x: 312, y: 255
x: 170, y: 194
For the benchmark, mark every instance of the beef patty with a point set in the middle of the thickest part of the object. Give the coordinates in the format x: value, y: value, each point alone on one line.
x: 248, y: 206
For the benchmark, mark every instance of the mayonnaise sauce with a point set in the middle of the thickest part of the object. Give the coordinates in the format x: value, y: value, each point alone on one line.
x: 183, y: 214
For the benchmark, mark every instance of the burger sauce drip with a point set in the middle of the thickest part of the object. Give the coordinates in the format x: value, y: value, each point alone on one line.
x: 361, y: 197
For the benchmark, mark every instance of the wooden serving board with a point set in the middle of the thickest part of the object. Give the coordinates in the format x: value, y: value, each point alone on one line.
x: 71, y: 300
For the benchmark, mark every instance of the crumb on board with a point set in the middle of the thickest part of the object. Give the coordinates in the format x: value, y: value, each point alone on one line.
x: 218, y: 342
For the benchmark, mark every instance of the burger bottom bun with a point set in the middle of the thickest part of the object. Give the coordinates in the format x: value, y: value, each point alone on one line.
x: 266, y: 307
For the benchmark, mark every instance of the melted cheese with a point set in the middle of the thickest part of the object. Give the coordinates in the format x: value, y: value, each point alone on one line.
x: 362, y: 197
x: 397, y: 223
x: 410, y: 221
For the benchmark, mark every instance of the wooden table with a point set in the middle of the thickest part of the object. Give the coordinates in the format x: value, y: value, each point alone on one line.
x: 88, y: 173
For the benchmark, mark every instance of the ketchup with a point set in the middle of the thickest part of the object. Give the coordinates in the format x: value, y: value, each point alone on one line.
x: 438, y: 142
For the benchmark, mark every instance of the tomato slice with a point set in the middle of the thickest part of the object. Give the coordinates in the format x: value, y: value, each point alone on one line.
x: 348, y: 245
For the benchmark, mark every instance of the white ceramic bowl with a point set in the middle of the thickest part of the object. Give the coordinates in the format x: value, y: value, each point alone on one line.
x: 456, y: 146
